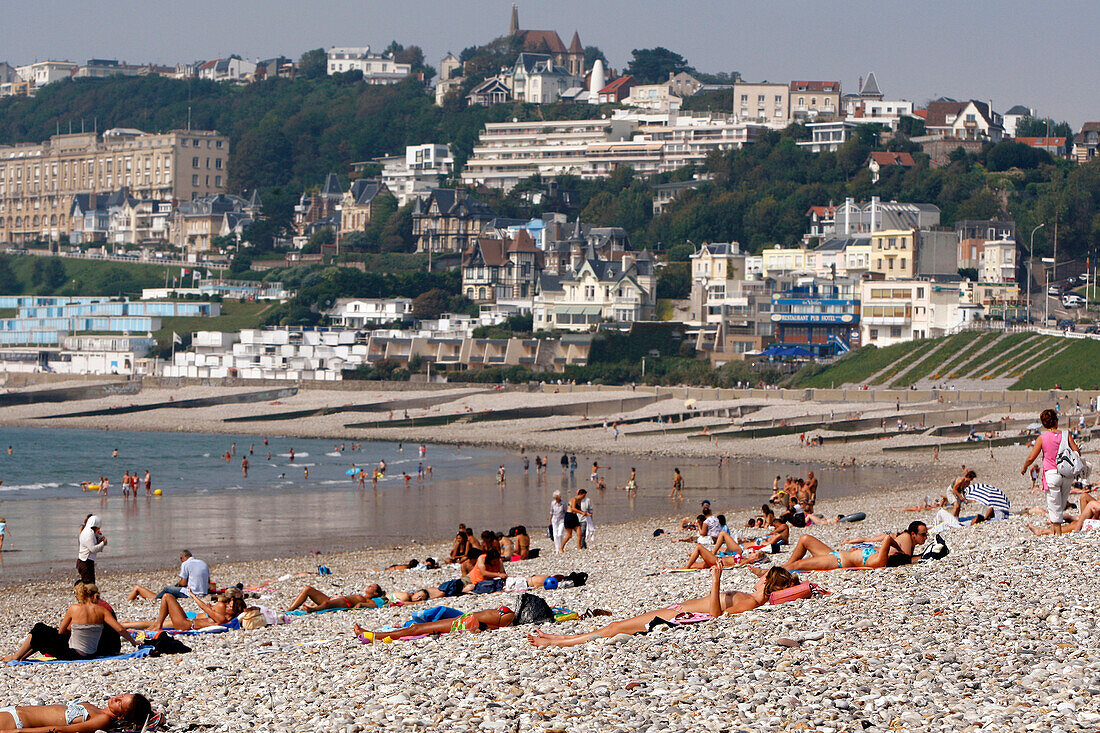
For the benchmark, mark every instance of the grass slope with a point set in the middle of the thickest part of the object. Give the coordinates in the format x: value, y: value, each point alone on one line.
x: 857, y: 366
x: 953, y: 345
x: 90, y: 277
x: 1077, y: 367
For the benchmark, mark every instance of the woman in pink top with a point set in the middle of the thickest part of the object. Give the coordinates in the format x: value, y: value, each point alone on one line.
x: 1055, y: 484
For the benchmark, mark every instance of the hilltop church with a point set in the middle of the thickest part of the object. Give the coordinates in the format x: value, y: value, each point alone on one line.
x: 549, y: 42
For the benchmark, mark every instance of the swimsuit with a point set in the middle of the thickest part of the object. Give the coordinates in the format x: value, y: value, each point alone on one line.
x: 74, y: 712
x: 10, y: 710
x: 867, y: 552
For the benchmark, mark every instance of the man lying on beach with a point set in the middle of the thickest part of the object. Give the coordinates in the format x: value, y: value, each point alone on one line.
x: 372, y: 597
x: 716, y: 604
x: 928, y: 504
x: 496, y: 618
x: 893, y: 552
x: 428, y: 564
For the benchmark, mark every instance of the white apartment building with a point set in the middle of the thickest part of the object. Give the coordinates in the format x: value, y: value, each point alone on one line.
x: 376, y: 68
x: 508, y: 152
x: 42, y: 73
x: 653, y: 97
x: 38, y: 182
x: 419, y: 170
x: 649, y: 142
x: 877, y: 111
x: 362, y: 312
x: 902, y: 310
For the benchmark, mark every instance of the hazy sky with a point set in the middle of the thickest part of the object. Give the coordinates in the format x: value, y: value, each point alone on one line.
x: 1038, y: 54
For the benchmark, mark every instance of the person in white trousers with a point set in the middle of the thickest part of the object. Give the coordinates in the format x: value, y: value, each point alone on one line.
x: 557, y: 521
x: 1055, y: 484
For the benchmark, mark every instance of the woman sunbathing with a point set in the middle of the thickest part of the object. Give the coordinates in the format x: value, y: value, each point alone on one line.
x: 322, y: 602
x: 76, y: 716
x: 716, y: 604
x: 701, y: 557
x: 893, y: 552
x: 496, y: 618
x: 228, y: 606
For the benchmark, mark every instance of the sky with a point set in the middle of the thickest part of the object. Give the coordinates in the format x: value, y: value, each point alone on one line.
x: 1008, y: 51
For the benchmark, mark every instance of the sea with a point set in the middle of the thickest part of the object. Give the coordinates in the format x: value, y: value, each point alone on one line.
x: 286, y: 508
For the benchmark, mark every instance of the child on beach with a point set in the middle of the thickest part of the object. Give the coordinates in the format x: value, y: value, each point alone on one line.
x: 3, y: 532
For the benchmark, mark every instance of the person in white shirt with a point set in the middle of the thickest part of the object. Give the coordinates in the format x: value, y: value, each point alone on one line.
x: 194, y: 579
x: 91, y: 543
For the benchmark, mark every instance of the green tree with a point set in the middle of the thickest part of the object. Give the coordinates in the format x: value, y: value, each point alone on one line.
x: 591, y: 53
x: 654, y: 65
x: 1043, y: 127
x: 9, y: 283
x: 431, y: 303
x: 313, y: 64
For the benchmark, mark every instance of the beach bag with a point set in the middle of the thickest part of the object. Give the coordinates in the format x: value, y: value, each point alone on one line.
x: 937, y: 551
x: 252, y: 618
x: 1068, y: 461
x: 798, y: 592
x: 164, y: 643
x: 435, y: 613
x: 532, y: 610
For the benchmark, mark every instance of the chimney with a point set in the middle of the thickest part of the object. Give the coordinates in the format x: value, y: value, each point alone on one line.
x: 874, y: 212
x: 848, y: 215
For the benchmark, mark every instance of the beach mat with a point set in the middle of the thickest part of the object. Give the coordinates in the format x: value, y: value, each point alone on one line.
x: 139, y: 653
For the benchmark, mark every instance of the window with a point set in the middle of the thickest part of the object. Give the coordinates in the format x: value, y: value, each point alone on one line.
x: 874, y: 334
x: 194, y: 180
x: 194, y: 163
x: 903, y: 263
x: 895, y: 332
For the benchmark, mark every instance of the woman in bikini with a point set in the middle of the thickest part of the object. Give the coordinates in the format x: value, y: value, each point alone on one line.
x: 228, y: 606
x: 322, y: 602
x: 77, y: 716
x: 893, y: 552
x: 494, y: 618
x: 716, y: 604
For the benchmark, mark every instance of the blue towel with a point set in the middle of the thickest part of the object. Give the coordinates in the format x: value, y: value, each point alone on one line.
x: 138, y: 653
x: 435, y: 613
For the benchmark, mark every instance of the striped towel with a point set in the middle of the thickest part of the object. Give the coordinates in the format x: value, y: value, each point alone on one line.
x: 990, y: 496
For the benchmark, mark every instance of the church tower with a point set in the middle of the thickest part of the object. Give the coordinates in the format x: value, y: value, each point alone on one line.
x: 513, y: 28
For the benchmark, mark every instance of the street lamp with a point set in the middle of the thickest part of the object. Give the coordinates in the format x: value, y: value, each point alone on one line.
x: 1030, y: 257
x: 1046, y: 289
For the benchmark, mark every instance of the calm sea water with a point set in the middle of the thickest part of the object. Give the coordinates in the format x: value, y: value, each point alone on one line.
x: 210, y: 508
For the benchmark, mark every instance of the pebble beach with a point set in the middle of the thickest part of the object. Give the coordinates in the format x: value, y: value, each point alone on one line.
x: 999, y: 635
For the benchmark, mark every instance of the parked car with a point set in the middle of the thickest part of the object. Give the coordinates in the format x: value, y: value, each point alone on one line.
x: 1055, y: 290
x: 1072, y: 300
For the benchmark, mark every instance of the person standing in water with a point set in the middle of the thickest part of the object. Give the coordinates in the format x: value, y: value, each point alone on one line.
x: 244, y: 466
x: 677, y: 484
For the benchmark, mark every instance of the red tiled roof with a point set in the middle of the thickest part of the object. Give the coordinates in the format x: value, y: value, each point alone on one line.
x: 534, y: 40
x: 815, y: 86
x: 821, y: 211
x: 905, y: 160
x: 615, y: 84
x: 1091, y: 127
x: 1037, y: 142
x: 922, y: 113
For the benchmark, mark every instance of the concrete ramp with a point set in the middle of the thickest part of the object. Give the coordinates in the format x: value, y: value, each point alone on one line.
x: 231, y: 399
x: 70, y: 394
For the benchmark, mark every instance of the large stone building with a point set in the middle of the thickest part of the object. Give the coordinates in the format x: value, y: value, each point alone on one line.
x: 38, y: 181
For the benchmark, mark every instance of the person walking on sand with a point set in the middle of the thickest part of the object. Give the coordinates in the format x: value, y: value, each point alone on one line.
x: 1055, y: 484
x: 3, y: 532
x: 677, y: 484
x: 557, y: 522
